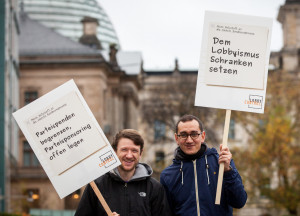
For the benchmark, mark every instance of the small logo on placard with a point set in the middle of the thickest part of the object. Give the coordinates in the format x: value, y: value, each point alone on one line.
x: 107, y: 159
x: 254, y: 101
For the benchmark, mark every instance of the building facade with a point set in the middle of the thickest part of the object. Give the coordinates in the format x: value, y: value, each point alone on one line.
x: 287, y: 59
x: 9, y: 72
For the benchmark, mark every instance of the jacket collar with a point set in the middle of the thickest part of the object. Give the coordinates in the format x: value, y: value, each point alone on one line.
x: 142, y: 171
x: 180, y: 155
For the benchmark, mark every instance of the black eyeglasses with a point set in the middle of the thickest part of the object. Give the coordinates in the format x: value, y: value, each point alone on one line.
x: 193, y: 135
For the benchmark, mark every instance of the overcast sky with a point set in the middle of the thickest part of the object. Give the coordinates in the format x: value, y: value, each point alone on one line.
x: 163, y: 30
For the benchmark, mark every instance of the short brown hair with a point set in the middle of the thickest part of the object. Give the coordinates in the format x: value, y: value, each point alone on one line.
x: 186, y: 118
x: 129, y: 134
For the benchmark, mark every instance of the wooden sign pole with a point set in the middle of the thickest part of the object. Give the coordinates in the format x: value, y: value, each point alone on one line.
x: 221, y: 168
x: 101, y: 198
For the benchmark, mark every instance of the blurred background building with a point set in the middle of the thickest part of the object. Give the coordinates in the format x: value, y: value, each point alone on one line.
x: 50, y: 42
x: 9, y: 96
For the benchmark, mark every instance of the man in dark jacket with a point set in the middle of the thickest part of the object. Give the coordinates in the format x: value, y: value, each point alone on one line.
x: 191, y: 180
x: 128, y: 189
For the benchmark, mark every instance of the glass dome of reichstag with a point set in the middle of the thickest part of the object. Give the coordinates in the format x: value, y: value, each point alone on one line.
x: 64, y: 16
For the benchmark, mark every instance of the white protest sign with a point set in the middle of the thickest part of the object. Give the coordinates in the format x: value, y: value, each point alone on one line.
x: 233, y: 67
x: 234, y: 62
x: 66, y: 138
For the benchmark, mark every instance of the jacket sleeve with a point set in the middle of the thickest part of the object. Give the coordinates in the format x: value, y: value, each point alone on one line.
x: 88, y: 203
x: 233, y: 189
x: 158, y: 200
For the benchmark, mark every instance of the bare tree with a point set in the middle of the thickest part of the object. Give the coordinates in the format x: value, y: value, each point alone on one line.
x: 167, y: 101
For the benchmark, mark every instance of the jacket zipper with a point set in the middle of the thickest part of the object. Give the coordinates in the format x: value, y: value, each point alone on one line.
x: 206, y: 165
x: 125, y: 196
x: 196, y: 187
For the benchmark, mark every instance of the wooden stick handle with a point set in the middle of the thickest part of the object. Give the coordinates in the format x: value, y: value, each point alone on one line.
x: 221, y: 168
x: 101, y: 198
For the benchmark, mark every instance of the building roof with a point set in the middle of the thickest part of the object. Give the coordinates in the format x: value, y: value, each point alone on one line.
x: 64, y: 17
x: 292, y: 2
x: 129, y: 61
x: 37, y: 39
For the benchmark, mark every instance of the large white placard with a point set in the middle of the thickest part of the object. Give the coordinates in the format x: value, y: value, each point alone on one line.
x: 66, y: 138
x: 234, y: 62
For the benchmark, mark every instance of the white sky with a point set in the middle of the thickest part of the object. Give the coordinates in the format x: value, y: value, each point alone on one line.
x: 163, y: 30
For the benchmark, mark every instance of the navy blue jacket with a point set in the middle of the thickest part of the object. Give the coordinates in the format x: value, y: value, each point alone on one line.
x: 179, y: 182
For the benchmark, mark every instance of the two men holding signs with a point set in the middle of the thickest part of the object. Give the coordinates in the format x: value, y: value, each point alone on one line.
x: 190, y: 182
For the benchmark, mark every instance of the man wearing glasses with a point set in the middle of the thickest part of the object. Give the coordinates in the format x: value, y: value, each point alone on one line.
x: 191, y: 180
